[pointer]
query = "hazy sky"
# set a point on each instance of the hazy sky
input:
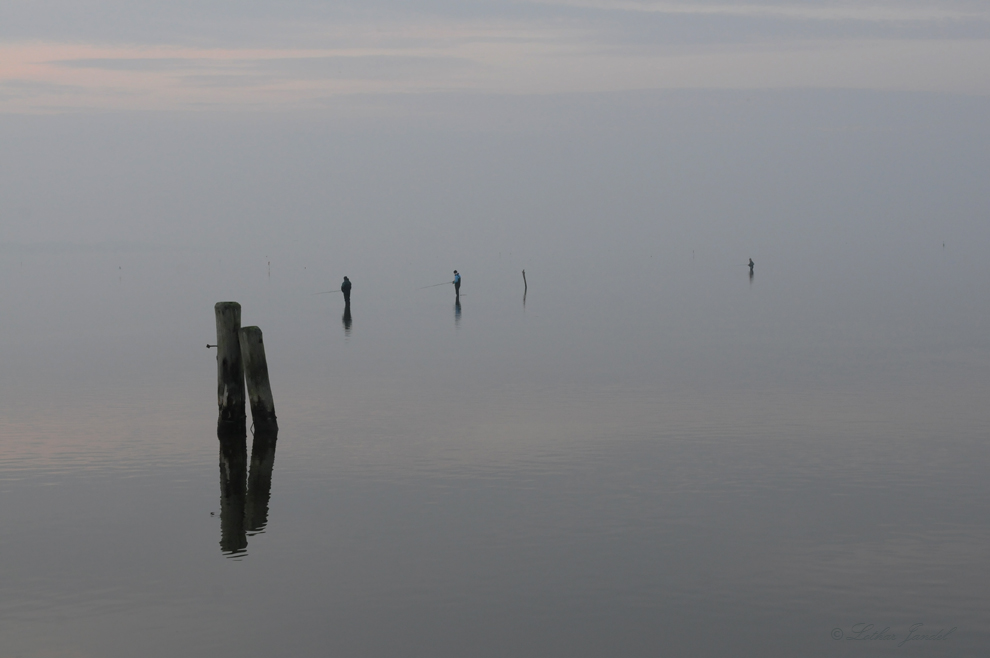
(59, 55)
(442, 130)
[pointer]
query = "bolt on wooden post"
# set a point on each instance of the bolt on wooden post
(230, 371)
(256, 372)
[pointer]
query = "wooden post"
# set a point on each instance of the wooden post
(230, 372)
(256, 371)
(525, 285)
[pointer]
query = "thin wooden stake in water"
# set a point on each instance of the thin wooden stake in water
(525, 285)
(256, 372)
(230, 373)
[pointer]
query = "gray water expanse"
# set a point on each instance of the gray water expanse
(650, 454)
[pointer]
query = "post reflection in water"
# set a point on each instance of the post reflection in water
(457, 312)
(243, 498)
(260, 480)
(347, 319)
(233, 486)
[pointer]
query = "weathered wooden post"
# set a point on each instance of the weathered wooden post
(230, 371)
(256, 372)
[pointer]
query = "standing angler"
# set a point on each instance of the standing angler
(457, 284)
(345, 288)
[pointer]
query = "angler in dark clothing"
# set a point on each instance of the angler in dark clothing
(345, 288)
(457, 284)
(751, 265)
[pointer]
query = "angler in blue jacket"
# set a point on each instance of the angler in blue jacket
(457, 284)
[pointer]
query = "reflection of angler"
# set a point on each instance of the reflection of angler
(346, 319)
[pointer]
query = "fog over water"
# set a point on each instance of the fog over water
(647, 451)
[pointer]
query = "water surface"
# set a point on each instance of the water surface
(651, 454)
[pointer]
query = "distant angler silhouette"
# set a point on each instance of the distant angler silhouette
(345, 288)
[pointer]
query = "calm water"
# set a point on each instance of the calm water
(650, 457)
(651, 454)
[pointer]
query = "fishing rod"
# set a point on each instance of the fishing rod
(329, 292)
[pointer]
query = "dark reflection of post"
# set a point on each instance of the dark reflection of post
(260, 479)
(457, 312)
(233, 486)
(347, 319)
(525, 288)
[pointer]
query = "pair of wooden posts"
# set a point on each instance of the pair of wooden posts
(240, 356)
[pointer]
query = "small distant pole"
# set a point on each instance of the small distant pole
(525, 285)
(230, 372)
(256, 372)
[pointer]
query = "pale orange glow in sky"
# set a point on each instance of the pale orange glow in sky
(502, 57)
